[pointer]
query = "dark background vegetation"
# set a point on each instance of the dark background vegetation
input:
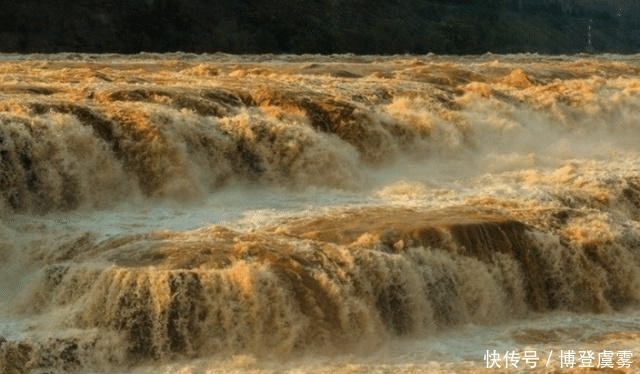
(319, 26)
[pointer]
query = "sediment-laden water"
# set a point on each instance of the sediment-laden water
(216, 213)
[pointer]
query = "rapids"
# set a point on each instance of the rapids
(218, 213)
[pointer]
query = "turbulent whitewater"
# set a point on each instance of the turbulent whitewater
(217, 213)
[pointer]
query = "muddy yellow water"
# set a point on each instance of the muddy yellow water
(216, 213)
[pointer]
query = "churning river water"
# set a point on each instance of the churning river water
(331, 214)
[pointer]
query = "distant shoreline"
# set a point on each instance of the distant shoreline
(326, 27)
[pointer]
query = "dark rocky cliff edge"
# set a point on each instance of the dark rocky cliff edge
(319, 26)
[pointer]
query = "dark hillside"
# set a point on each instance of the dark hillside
(319, 26)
